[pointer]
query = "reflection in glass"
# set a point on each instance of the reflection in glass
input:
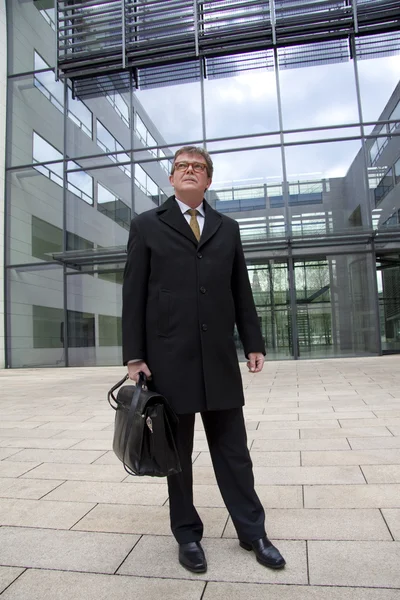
(242, 104)
(109, 144)
(315, 96)
(113, 207)
(378, 79)
(80, 114)
(47, 84)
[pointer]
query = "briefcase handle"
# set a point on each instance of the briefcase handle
(142, 381)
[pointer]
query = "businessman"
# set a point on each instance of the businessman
(185, 287)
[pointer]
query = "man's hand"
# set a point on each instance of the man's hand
(135, 367)
(255, 362)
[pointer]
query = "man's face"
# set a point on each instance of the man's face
(191, 178)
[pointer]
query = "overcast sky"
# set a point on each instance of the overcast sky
(311, 97)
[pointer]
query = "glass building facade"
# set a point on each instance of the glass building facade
(306, 149)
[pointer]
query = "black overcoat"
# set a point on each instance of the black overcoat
(181, 300)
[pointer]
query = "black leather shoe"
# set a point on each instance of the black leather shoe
(191, 556)
(265, 552)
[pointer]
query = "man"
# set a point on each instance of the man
(185, 286)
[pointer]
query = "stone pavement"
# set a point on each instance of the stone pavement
(325, 442)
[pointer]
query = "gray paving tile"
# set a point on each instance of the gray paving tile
(91, 444)
(271, 496)
(239, 591)
(367, 564)
(31, 489)
(111, 493)
(295, 445)
(374, 443)
(307, 475)
(392, 517)
(15, 469)
(352, 496)
(323, 524)
(158, 557)
(152, 520)
(59, 585)
(382, 473)
(39, 443)
(7, 576)
(7, 452)
(65, 550)
(260, 459)
(41, 513)
(351, 457)
(313, 424)
(18, 432)
(57, 456)
(330, 432)
(76, 472)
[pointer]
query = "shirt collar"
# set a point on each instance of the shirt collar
(184, 207)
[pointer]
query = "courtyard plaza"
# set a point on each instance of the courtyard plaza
(325, 443)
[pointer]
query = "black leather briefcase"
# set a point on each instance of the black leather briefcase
(144, 430)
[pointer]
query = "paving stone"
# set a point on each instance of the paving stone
(323, 524)
(261, 459)
(91, 445)
(271, 496)
(75, 472)
(314, 424)
(65, 550)
(382, 473)
(7, 576)
(366, 564)
(38, 443)
(351, 457)
(15, 469)
(307, 475)
(57, 456)
(238, 591)
(374, 443)
(111, 493)
(153, 520)
(296, 445)
(7, 452)
(392, 517)
(30, 489)
(157, 557)
(352, 496)
(41, 513)
(347, 432)
(59, 585)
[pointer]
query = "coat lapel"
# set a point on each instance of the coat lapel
(212, 223)
(170, 213)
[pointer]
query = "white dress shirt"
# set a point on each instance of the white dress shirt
(200, 217)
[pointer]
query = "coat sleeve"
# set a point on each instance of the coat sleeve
(134, 297)
(245, 311)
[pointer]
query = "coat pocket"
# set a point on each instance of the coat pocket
(164, 313)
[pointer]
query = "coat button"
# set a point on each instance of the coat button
(203, 289)
(204, 327)
(199, 255)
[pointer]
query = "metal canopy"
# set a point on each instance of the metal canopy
(329, 244)
(153, 38)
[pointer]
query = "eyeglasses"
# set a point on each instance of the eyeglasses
(196, 166)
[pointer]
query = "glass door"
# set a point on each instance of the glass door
(313, 303)
(270, 286)
(388, 280)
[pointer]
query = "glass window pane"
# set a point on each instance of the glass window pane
(80, 114)
(314, 96)
(36, 316)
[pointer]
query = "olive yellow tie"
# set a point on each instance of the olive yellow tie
(194, 224)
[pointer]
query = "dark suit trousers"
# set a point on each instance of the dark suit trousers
(227, 441)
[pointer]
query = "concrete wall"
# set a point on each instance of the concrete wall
(3, 91)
